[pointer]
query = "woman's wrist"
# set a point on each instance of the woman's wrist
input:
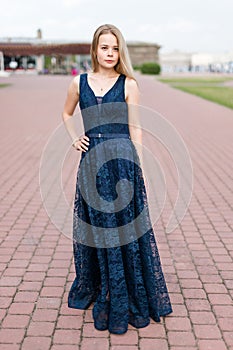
(74, 141)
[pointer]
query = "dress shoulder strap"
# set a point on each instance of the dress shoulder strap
(82, 82)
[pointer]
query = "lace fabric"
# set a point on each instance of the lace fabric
(126, 282)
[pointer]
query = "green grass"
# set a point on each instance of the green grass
(222, 95)
(211, 89)
(196, 80)
(4, 85)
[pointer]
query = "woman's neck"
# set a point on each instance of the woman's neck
(106, 73)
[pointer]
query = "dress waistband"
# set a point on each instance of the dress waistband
(108, 135)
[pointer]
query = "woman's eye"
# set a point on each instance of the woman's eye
(116, 49)
(104, 48)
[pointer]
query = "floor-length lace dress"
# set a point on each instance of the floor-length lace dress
(124, 280)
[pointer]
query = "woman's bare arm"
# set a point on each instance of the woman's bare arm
(72, 99)
(132, 99)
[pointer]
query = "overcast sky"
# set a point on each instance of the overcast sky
(186, 25)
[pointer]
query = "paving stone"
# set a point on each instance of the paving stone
(181, 338)
(153, 331)
(202, 317)
(94, 344)
(66, 336)
(211, 344)
(36, 343)
(69, 322)
(207, 332)
(15, 321)
(149, 344)
(45, 314)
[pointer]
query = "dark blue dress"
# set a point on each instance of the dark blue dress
(118, 269)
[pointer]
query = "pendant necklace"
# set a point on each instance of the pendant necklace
(102, 89)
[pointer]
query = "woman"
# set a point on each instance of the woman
(115, 254)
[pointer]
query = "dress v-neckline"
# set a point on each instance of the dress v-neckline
(105, 92)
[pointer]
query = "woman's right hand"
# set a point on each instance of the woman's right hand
(82, 143)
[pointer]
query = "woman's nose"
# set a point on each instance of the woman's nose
(110, 52)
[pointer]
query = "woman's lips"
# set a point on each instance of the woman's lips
(109, 61)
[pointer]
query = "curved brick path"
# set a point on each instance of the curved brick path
(36, 259)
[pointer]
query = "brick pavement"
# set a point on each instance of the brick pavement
(36, 259)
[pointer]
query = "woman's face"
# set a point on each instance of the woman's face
(107, 51)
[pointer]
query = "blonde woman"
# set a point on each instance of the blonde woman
(116, 258)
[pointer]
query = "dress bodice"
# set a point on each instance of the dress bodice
(108, 114)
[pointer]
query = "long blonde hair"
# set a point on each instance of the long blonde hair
(124, 65)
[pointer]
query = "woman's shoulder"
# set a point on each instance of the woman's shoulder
(131, 84)
(78, 77)
(76, 81)
(131, 90)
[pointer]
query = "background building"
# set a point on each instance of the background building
(177, 61)
(141, 52)
(43, 56)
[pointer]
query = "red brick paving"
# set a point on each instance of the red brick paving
(36, 259)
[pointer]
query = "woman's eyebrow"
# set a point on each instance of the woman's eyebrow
(108, 45)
